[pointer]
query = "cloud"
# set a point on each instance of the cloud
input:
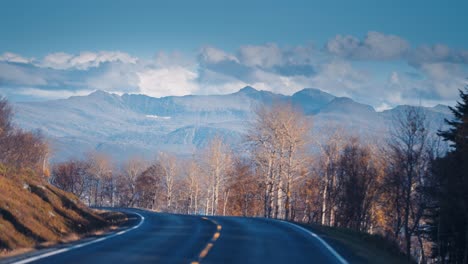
(114, 77)
(12, 74)
(379, 46)
(271, 56)
(437, 53)
(340, 78)
(444, 79)
(167, 81)
(211, 55)
(434, 73)
(265, 56)
(375, 46)
(440, 84)
(266, 67)
(12, 57)
(84, 60)
(271, 81)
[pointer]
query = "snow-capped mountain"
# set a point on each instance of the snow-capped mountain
(140, 125)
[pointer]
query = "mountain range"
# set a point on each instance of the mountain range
(138, 125)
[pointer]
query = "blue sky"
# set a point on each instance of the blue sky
(378, 52)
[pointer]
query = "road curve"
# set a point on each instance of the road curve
(169, 238)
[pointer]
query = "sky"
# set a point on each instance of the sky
(383, 53)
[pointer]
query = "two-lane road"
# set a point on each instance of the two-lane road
(168, 238)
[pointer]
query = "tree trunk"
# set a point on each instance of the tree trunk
(406, 222)
(324, 201)
(421, 245)
(287, 203)
(226, 197)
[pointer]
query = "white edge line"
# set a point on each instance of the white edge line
(55, 252)
(336, 254)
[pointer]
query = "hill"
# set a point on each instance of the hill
(33, 213)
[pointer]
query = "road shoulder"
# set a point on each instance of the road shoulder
(119, 221)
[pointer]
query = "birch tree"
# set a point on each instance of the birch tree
(218, 164)
(277, 139)
(193, 178)
(169, 170)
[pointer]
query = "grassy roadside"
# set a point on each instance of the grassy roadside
(359, 247)
(114, 220)
(34, 215)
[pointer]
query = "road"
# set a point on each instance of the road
(169, 238)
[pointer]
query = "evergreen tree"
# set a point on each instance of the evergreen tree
(458, 131)
(451, 174)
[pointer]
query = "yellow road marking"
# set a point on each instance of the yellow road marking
(206, 250)
(211, 243)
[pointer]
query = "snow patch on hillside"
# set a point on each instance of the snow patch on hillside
(158, 117)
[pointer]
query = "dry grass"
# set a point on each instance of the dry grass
(360, 247)
(34, 214)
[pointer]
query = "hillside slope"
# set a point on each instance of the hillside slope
(34, 213)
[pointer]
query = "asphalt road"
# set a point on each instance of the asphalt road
(169, 238)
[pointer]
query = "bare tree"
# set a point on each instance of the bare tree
(149, 188)
(127, 180)
(100, 171)
(408, 161)
(6, 114)
(169, 169)
(326, 168)
(358, 185)
(217, 163)
(21, 149)
(71, 176)
(193, 177)
(277, 138)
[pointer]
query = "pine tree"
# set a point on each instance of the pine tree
(451, 174)
(458, 131)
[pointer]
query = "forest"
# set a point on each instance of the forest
(410, 188)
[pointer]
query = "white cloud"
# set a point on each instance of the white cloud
(12, 57)
(213, 55)
(440, 84)
(382, 107)
(441, 71)
(269, 81)
(375, 46)
(17, 75)
(444, 79)
(167, 81)
(340, 78)
(437, 53)
(84, 60)
(175, 58)
(58, 60)
(267, 55)
(116, 77)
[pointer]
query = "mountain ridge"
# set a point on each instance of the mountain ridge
(131, 124)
